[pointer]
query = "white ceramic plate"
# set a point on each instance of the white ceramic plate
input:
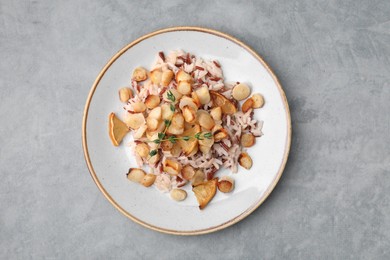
(149, 207)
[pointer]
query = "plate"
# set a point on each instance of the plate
(147, 206)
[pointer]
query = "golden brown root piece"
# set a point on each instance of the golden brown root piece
(205, 192)
(116, 129)
(226, 105)
(226, 184)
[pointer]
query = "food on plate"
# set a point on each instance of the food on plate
(116, 129)
(188, 172)
(172, 167)
(166, 77)
(148, 180)
(139, 74)
(258, 100)
(241, 91)
(156, 76)
(219, 100)
(125, 94)
(225, 184)
(136, 175)
(178, 194)
(205, 192)
(248, 140)
(248, 104)
(142, 150)
(198, 178)
(152, 101)
(134, 120)
(245, 160)
(187, 123)
(220, 134)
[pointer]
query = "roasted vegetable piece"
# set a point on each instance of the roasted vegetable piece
(117, 129)
(220, 100)
(205, 192)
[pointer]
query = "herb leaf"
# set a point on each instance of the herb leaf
(207, 135)
(153, 153)
(167, 122)
(172, 108)
(172, 139)
(170, 96)
(197, 136)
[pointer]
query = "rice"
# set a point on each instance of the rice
(163, 182)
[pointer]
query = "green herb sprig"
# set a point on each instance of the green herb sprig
(167, 123)
(170, 96)
(173, 139)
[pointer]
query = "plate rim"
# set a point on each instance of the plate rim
(250, 209)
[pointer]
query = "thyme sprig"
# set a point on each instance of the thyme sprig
(170, 96)
(199, 136)
(173, 139)
(167, 123)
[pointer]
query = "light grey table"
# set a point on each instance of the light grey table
(333, 60)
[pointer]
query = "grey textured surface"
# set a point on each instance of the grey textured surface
(333, 60)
